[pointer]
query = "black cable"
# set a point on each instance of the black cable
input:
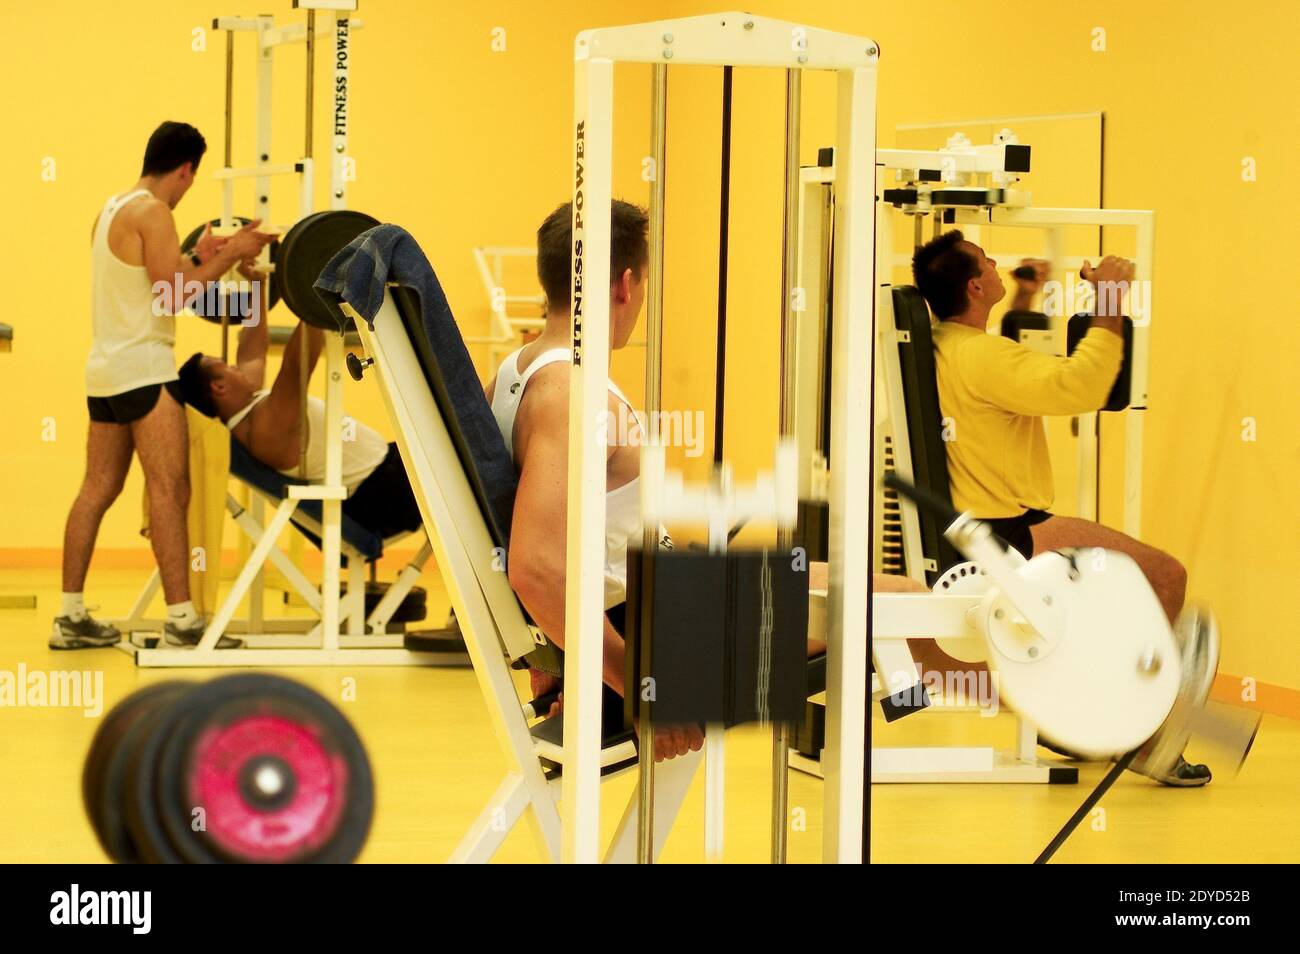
(1115, 772)
(724, 215)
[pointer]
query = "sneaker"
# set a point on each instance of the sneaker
(1185, 775)
(85, 633)
(1196, 633)
(190, 635)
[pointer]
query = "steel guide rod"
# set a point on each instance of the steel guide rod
(653, 397)
(304, 354)
(229, 131)
(789, 346)
(714, 732)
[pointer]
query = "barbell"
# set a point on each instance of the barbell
(297, 259)
(210, 306)
(246, 768)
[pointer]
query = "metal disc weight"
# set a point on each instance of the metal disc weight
(104, 773)
(304, 253)
(261, 769)
(236, 304)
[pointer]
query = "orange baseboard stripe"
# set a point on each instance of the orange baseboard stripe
(1268, 698)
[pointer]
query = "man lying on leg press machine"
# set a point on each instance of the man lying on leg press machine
(996, 392)
(268, 422)
(530, 400)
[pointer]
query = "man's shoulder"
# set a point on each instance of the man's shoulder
(547, 393)
(148, 210)
(957, 338)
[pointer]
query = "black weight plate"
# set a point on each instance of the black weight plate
(304, 253)
(232, 726)
(209, 307)
(103, 775)
(139, 801)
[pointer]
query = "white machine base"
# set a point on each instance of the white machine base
(281, 650)
(929, 764)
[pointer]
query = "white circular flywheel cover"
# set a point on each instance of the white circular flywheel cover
(967, 579)
(1112, 677)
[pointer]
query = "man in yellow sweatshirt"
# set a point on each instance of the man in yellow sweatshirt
(994, 392)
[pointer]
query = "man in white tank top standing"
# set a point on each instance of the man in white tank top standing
(131, 388)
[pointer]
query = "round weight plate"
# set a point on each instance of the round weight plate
(279, 773)
(1196, 633)
(209, 307)
(140, 791)
(1111, 676)
(304, 253)
(103, 776)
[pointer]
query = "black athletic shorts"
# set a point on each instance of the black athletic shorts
(131, 405)
(384, 503)
(1015, 530)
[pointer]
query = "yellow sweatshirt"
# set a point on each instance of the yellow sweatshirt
(993, 393)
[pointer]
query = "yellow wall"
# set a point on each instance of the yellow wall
(465, 146)
(460, 144)
(1189, 90)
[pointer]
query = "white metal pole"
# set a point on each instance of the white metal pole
(851, 473)
(584, 600)
(1139, 396)
(228, 185)
(1087, 425)
(332, 507)
(265, 124)
(341, 112)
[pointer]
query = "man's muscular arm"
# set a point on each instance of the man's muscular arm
(281, 420)
(536, 564)
(162, 250)
(250, 355)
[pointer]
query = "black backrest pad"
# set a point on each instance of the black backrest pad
(482, 451)
(473, 429)
(924, 420)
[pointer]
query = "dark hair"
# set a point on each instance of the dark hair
(628, 248)
(941, 271)
(196, 383)
(171, 146)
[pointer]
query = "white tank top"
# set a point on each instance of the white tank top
(130, 346)
(364, 449)
(622, 506)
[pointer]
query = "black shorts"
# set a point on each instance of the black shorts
(384, 503)
(1015, 530)
(131, 405)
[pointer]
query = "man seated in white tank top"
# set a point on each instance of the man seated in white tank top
(268, 422)
(132, 396)
(530, 400)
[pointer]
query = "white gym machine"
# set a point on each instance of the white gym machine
(340, 634)
(511, 313)
(966, 186)
(1039, 621)
(727, 40)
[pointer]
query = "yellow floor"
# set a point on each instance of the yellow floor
(436, 764)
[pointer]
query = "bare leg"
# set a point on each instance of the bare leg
(1165, 574)
(108, 458)
(162, 441)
